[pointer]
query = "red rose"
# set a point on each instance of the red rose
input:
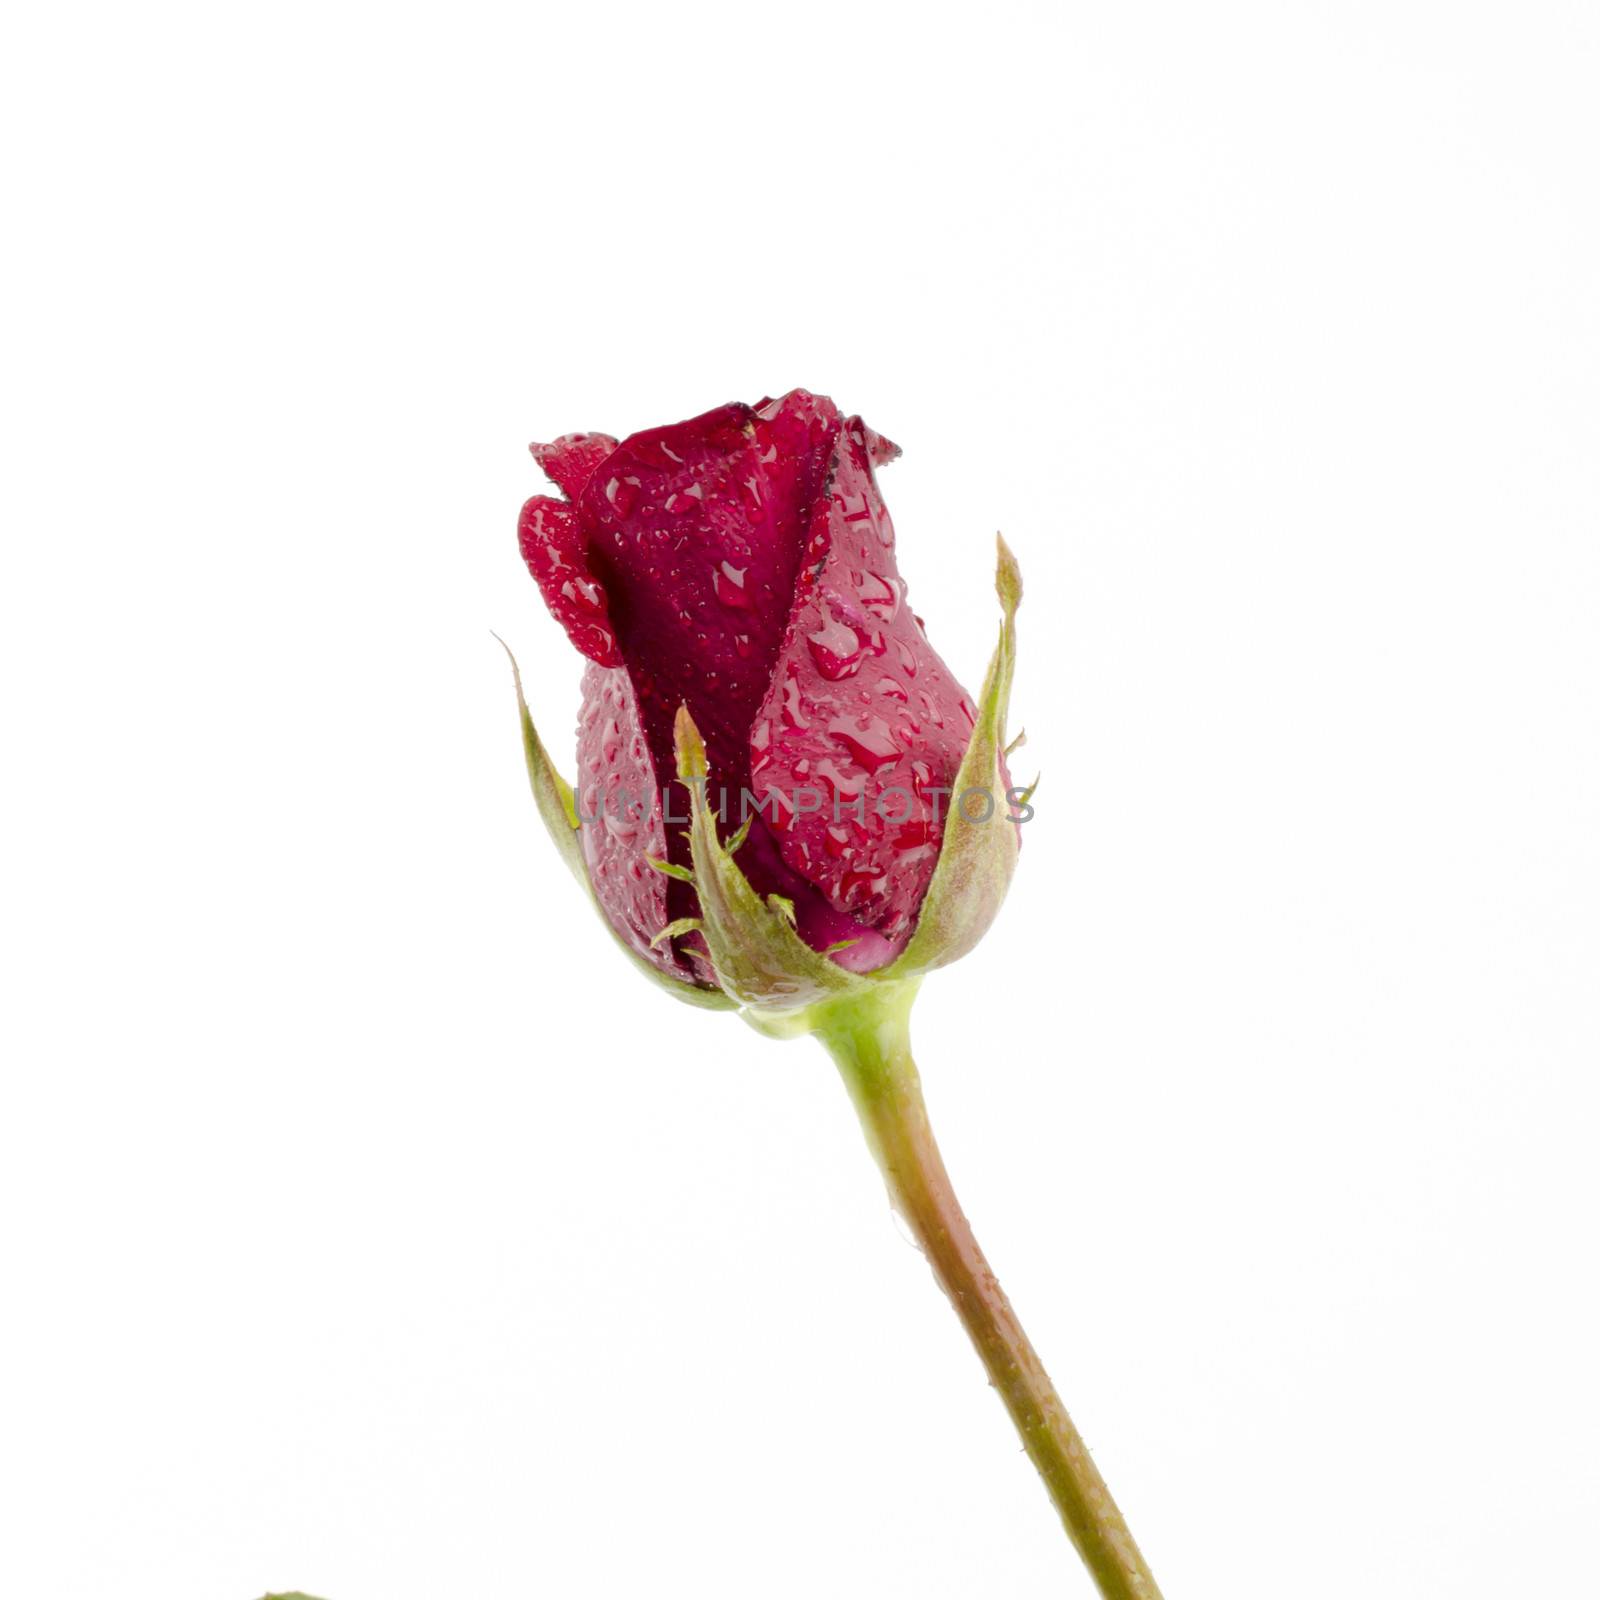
(742, 565)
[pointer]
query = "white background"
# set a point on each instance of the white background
(368, 1227)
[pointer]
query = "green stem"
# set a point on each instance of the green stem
(870, 1039)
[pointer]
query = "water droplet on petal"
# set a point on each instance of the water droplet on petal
(880, 595)
(729, 585)
(868, 740)
(836, 648)
(779, 810)
(793, 710)
(868, 883)
(622, 492)
(843, 785)
(584, 593)
(917, 834)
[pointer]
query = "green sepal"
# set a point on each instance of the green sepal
(758, 957)
(551, 792)
(977, 858)
(670, 869)
(553, 796)
(674, 929)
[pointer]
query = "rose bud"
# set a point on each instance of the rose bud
(739, 568)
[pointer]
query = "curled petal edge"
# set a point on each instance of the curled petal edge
(553, 796)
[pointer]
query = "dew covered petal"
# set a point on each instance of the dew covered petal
(699, 529)
(553, 545)
(620, 822)
(861, 710)
(570, 461)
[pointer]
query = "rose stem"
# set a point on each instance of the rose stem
(869, 1037)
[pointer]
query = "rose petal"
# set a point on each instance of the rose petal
(553, 545)
(619, 812)
(862, 711)
(820, 924)
(569, 462)
(880, 451)
(699, 528)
